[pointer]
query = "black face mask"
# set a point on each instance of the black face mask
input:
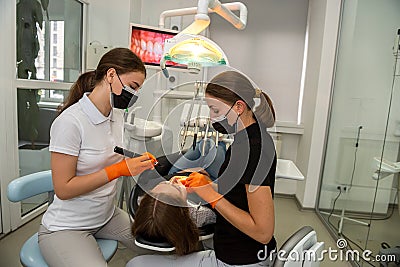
(222, 126)
(126, 99)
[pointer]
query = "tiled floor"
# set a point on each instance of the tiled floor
(288, 220)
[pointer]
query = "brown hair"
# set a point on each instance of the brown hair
(122, 60)
(156, 220)
(232, 86)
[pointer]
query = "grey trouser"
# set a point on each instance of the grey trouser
(198, 259)
(77, 248)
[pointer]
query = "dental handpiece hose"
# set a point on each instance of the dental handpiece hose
(358, 135)
(194, 141)
(196, 126)
(196, 131)
(189, 115)
(203, 149)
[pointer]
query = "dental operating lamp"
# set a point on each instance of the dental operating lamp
(194, 50)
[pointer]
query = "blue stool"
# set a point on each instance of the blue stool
(32, 185)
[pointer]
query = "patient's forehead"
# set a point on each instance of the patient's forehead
(170, 189)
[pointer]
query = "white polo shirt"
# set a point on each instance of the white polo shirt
(83, 131)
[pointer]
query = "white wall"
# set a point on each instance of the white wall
(269, 50)
(108, 22)
(324, 22)
(151, 10)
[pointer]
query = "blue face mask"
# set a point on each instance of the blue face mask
(221, 124)
(126, 99)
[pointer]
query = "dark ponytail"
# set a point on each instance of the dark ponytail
(82, 85)
(122, 60)
(265, 112)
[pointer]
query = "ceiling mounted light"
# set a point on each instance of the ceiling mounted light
(194, 50)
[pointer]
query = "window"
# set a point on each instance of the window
(47, 38)
(46, 53)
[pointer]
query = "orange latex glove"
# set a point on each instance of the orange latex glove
(151, 157)
(202, 186)
(130, 166)
(181, 179)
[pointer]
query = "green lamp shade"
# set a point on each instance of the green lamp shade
(195, 50)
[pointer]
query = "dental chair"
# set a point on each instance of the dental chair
(34, 184)
(300, 250)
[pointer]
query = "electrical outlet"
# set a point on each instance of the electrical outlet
(342, 188)
(331, 187)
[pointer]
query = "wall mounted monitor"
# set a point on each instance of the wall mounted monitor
(148, 43)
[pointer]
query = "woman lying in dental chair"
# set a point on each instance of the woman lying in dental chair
(166, 214)
(163, 211)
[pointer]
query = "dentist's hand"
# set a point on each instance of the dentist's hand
(179, 179)
(202, 186)
(130, 166)
(197, 169)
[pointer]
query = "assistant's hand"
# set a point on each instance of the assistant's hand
(151, 157)
(202, 186)
(130, 166)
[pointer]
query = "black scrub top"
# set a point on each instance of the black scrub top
(251, 160)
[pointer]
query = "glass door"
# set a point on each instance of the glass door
(358, 189)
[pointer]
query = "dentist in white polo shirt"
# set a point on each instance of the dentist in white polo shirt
(84, 166)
